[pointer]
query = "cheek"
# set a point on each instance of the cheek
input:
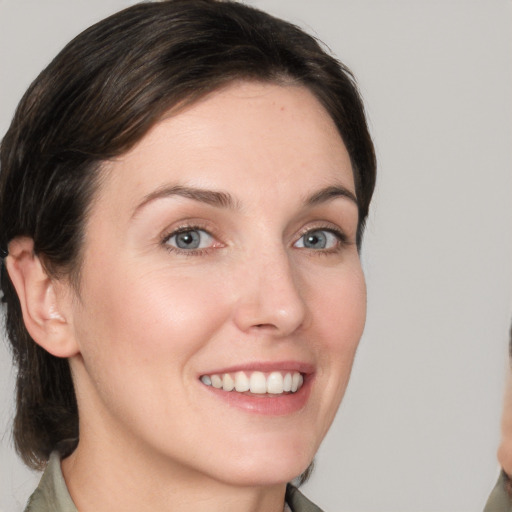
(339, 301)
(338, 312)
(140, 334)
(147, 320)
(339, 316)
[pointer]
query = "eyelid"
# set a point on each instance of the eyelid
(325, 226)
(188, 224)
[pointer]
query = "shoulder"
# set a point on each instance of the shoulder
(499, 499)
(298, 502)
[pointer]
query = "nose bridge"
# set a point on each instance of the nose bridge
(271, 296)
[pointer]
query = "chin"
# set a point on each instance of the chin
(271, 473)
(268, 466)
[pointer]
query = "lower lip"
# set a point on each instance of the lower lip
(269, 405)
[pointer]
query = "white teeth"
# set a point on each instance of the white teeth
(241, 382)
(216, 381)
(205, 379)
(296, 381)
(274, 383)
(287, 382)
(228, 384)
(258, 383)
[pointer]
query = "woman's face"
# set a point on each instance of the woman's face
(221, 252)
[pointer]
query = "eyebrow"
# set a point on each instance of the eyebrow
(211, 197)
(225, 200)
(331, 192)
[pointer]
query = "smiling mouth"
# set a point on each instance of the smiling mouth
(259, 383)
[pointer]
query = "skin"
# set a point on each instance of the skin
(505, 448)
(149, 319)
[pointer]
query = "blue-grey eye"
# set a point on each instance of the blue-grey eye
(190, 239)
(317, 239)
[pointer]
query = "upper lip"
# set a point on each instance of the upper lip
(265, 366)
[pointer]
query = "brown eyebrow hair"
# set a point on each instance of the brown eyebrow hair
(212, 197)
(226, 200)
(331, 192)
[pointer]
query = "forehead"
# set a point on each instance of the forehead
(242, 138)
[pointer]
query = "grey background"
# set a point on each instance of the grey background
(419, 427)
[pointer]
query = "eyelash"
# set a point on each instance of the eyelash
(341, 237)
(185, 229)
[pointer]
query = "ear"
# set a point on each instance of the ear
(44, 301)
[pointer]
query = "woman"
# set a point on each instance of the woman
(183, 198)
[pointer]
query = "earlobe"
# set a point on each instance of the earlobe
(43, 303)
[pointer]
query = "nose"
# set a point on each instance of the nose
(270, 296)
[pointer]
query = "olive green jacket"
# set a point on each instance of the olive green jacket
(499, 500)
(52, 494)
